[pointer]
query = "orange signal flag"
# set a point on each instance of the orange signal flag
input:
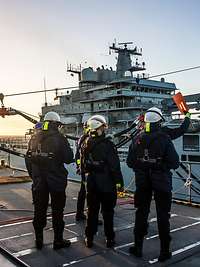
(180, 102)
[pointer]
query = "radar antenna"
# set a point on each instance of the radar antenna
(124, 62)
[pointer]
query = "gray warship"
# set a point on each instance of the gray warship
(121, 97)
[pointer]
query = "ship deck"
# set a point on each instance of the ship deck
(17, 237)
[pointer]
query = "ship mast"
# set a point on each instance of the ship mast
(124, 62)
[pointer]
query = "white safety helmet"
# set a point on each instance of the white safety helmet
(99, 117)
(52, 116)
(153, 115)
(96, 122)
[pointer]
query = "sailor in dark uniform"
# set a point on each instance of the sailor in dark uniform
(82, 192)
(48, 153)
(80, 216)
(152, 155)
(28, 162)
(101, 165)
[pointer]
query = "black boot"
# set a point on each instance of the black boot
(110, 243)
(58, 244)
(39, 239)
(136, 250)
(89, 242)
(165, 252)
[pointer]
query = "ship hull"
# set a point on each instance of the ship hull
(189, 192)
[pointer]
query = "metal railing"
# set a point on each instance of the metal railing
(191, 181)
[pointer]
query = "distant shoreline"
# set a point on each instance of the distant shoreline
(10, 136)
(12, 139)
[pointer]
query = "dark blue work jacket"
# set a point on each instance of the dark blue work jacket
(45, 158)
(152, 156)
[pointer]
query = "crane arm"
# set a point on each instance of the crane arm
(17, 112)
(11, 111)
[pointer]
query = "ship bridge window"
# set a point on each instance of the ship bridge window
(190, 142)
(119, 104)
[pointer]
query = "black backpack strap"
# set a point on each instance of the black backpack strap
(88, 163)
(145, 146)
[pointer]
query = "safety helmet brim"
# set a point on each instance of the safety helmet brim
(52, 116)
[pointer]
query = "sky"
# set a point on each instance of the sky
(38, 38)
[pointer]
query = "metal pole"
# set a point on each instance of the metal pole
(45, 92)
(9, 160)
(190, 182)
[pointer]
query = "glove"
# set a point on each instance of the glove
(119, 188)
(188, 114)
(120, 191)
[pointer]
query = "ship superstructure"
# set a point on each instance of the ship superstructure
(120, 95)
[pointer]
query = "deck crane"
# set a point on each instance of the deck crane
(11, 111)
